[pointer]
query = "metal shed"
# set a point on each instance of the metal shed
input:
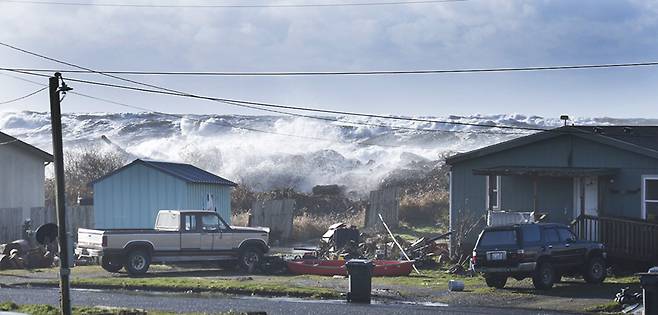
(131, 196)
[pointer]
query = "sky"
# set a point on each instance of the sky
(450, 35)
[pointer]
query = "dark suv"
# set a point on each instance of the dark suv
(543, 251)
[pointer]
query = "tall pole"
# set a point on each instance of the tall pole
(60, 204)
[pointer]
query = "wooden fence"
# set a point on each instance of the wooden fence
(275, 214)
(11, 224)
(11, 220)
(623, 238)
(386, 202)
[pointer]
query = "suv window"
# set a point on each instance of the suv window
(551, 236)
(190, 223)
(566, 235)
(530, 234)
(500, 237)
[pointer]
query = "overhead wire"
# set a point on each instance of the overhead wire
(351, 73)
(242, 103)
(234, 6)
(22, 97)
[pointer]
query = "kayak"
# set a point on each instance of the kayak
(382, 268)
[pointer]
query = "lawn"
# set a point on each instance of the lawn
(42, 309)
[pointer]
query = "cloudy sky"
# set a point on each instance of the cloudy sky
(452, 35)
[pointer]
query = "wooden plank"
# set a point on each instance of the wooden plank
(275, 214)
(386, 202)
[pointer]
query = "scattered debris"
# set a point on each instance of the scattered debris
(26, 253)
(455, 285)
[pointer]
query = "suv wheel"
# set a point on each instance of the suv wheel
(594, 270)
(544, 277)
(250, 259)
(138, 262)
(497, 282)
(110, 264)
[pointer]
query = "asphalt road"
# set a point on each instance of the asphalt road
(218, 303)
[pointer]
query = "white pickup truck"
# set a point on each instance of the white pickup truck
(179, 236)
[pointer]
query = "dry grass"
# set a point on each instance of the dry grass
(240, 219)
(421, 206)
(312, 226)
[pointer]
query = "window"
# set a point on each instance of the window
(566, 235)
(551, 236)
(210, 223)
(190, 223)
(650, 198)
(502, 237)
(530, 234)
(493, 192)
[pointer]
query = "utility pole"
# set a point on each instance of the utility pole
(60, 203)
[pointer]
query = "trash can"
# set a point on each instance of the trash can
(649, 282)
(360, 272)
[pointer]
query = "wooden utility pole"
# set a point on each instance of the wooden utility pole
(60, 203)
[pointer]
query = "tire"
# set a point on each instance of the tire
(250, 259)
(497, 282)
(111, 264)
(138, 262)
(595, 271)
(544, 277)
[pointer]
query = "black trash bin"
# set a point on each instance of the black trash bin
(649, 282)
(360, 272)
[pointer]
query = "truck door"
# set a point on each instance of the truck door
(209, 231)
(190, 238)
(574, 252)
(554, 246)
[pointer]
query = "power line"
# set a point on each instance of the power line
(232, 6)
(23, 97)
(241, 103)
(349, 73)
(332, 119)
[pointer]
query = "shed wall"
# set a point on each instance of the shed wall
(197, 194)
(21, 180)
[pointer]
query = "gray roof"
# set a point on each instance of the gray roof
(639, 139)
(9, 140)
(186, 172)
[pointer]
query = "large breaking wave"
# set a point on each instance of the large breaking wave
(323, 152)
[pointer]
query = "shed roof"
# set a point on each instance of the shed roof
(639, 139)
(9, 140)
(186, 172)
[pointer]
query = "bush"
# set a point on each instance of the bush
(309, 226)
(424, 207)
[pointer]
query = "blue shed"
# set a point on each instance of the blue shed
(603, 180)
(131, 196)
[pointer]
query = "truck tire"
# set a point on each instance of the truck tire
(250, 259)
(111, 264)
(594, 270)
(544, 276)
(497, 282)
(138, 262)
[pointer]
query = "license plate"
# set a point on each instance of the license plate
(497, 255)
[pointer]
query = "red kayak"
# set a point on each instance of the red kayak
(382, 268)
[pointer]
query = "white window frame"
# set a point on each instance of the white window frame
(497, 206)
(644, 187)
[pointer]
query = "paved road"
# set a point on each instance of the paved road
(217, 303)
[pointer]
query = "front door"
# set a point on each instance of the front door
(586, 196)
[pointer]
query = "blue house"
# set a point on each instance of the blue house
(603, 180)
(131, 196)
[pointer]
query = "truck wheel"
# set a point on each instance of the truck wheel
(111, 264)
(544, 277)
(138, 262)
(594, 270)
(497, 282)
(250, 259)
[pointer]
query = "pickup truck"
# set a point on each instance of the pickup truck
(541, 251)
(179, 236)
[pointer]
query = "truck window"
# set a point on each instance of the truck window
(210, 223)
(566, 235)
(530, 234)
(551, 236)
(190, 223)
(501, 237)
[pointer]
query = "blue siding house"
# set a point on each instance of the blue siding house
(603, 180)
(131, 196)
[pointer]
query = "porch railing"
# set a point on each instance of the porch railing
(623, 238)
